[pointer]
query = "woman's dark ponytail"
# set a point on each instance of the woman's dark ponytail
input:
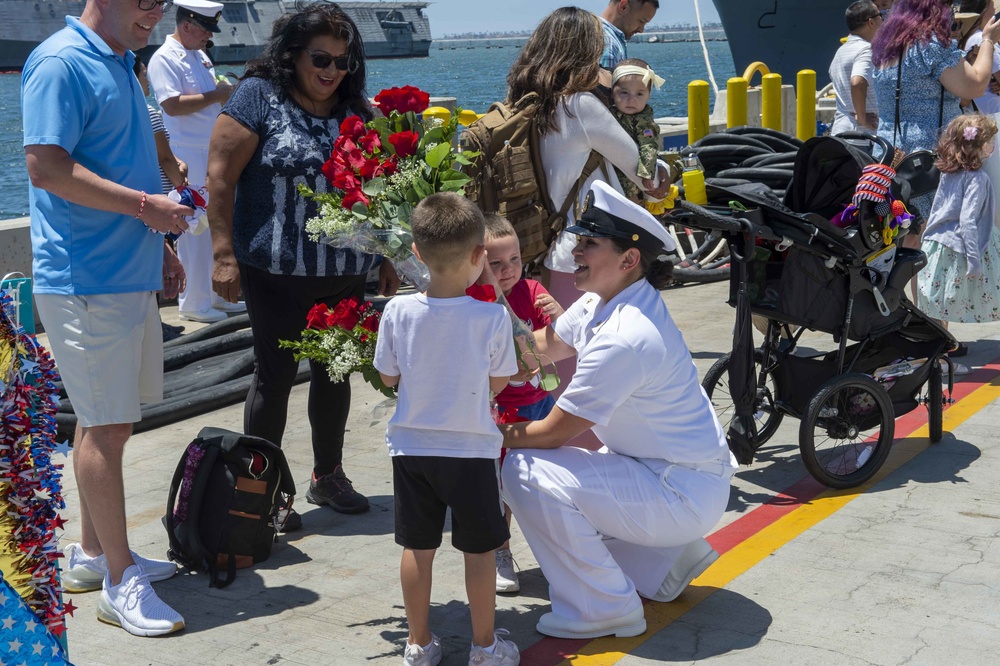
(660, 273)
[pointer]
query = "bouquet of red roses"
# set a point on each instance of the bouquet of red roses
(380, 170)
(343, 339)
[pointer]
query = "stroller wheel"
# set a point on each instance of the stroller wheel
(716, 385)
(847, 431)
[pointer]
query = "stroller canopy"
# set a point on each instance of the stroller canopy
(826, 173)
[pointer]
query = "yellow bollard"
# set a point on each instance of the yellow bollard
(697, 110)
(805, 109)
(771, 101)
(736, 102)
(438, 112)
(468, 116)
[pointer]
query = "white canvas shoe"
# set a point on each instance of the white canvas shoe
(505, 653)
(557, 626)
(696, 557)
(134, 606)
(207, 316)
(84, 573)
(226, 306)
(506, 576)
(423, 655)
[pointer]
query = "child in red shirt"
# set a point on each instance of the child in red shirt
(532, 304)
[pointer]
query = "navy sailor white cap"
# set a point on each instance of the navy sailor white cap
(204, 12)
(609, 214)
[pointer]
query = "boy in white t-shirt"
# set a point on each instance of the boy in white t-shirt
(447, 352)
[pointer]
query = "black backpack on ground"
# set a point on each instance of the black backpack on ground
(223, 502)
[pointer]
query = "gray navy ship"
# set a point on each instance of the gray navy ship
(786, 35)
(389, 29)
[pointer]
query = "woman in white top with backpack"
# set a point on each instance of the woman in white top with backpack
(560, 63)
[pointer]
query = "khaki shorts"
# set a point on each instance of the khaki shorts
(108, 349)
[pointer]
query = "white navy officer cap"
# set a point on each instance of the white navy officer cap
(609, 214)
(203, 12)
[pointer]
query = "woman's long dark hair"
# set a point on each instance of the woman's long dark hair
(290, 36)
(562, 57)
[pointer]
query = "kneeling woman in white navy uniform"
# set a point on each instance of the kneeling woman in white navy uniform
(626, 520)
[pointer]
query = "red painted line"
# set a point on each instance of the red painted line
(551, 651)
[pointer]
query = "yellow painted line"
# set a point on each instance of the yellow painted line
(746, 555)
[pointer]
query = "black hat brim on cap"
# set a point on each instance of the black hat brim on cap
(597, 223)
(210, 24)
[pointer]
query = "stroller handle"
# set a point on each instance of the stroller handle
(706, 219)
(888, 152)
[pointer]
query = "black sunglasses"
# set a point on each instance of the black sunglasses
(322, 60)
(147, 5)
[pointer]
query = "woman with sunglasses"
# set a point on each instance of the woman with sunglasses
(275, 132)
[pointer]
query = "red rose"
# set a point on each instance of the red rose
(354, 196)
(352, 127)
(402, 100)
(371, 169)
(346, 181)
(389, 165)
(370, 142)
(510, 415)
(319, 317)
(482, 292)
(355, 160)
(345, 314)
(405, 143)
(370, 323)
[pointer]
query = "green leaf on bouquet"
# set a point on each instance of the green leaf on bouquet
(462, 158)
(360, 210)
(393, 196)
(374, 186)
(453, 181)
(422, 188)
(434, 135)
(437, 154)
(306, 191)
(403, 213)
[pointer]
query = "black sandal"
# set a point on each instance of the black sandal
(961, 350)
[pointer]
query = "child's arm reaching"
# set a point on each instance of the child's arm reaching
(647, 132)
(549, 306)
(389, 380)
(497, 384)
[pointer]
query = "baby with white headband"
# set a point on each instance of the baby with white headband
(631, 83)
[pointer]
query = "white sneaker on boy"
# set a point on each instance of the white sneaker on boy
(423, 655)
(134, 606)
(502, 653)
(84, 573)
(506, 576)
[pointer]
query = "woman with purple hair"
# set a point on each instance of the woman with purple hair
(934, 75)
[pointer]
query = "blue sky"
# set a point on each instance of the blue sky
(458, 16)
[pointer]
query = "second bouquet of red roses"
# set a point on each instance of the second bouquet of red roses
(342, 339)
(380, 170)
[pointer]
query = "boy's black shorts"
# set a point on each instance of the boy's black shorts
(425, 487)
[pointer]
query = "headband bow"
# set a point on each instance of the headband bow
(647, 74)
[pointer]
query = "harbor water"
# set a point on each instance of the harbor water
(474, 74)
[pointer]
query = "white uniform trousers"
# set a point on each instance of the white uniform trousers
(603, 525)
(195, 252)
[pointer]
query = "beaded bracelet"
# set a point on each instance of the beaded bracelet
(142, 206)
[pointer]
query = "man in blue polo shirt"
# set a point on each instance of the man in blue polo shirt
(92, 163)
(621, 19)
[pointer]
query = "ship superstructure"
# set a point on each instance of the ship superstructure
(389, 29)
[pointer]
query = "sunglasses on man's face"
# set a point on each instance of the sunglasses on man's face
(149, 5)
(322, 60)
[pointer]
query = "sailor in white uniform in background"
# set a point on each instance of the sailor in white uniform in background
(183, 81)
(628, 519)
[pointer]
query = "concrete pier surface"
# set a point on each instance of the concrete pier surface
(902, 570)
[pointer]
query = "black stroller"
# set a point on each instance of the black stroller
(796, 271)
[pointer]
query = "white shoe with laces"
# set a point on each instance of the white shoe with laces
(506, 576)
(206, 316)
(504, 653)
(84, 573)
(423, 655)
(134, 606)
(226, 306)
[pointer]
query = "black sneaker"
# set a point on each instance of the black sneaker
(335, 490)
